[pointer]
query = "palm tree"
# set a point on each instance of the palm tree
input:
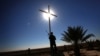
(75, 35)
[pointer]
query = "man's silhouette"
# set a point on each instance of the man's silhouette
(52, 42)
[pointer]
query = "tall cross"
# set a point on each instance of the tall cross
(48, 12)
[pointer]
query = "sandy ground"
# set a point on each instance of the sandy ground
(85, 53)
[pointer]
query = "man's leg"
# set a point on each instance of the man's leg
(55, 48)
(52, 49)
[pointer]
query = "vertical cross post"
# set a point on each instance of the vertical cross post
(49, 20)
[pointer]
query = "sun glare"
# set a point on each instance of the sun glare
(47, 15)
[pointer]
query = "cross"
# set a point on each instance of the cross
(49, 17)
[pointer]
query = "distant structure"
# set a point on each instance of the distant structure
(51, 36)
(29, 52)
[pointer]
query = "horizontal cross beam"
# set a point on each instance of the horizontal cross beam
(50, 13)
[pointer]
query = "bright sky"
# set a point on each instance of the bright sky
(23, 26)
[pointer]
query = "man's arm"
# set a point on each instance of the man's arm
(55, 37)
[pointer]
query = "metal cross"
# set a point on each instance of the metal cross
(49, 17)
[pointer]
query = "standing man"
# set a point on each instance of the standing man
(52, 42)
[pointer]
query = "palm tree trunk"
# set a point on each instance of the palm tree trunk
(76, 49)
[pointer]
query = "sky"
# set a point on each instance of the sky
(22, 25)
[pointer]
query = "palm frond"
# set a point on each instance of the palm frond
(74, 34)
(65, 38)
(87, 37)
(83, 33)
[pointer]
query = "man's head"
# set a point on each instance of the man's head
(51, 33)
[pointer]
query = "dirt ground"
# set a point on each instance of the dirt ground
(84, 52)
